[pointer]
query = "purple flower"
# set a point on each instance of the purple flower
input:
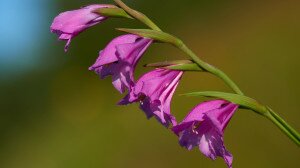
(119, 59)
(204, 127)
(70, 23)
(154, 91)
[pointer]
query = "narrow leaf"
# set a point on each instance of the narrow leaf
(245, 102)
(181, 65)
(185, 67)
(113, 12)
(168, 63)
(154, 34)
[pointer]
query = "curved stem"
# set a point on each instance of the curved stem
(210, 68)
(269, 113)
(137, 15)
(283, 126)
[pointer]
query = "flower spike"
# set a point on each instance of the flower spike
(204, 126)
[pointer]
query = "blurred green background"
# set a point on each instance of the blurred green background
(57, 114)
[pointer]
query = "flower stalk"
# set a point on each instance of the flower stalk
(157, 34)
(209, 68)
(204, 126)
(179, 44)
(168, 38)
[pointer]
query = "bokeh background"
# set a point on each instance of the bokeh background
(57, 114)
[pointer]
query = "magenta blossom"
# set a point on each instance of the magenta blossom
(204, 127)
(154, 91)
(69, 24)
(119, 59)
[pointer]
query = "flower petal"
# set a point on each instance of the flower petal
(204, 126)
(109, 54)
(69, 24)
(211, 143)
(119, 59)
(154, 91)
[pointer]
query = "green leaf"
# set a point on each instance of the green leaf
(185, 67)
(154, 34)
(113, 12)
(169, 63)
(244, 101)
(181, 65)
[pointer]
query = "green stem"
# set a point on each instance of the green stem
(270, 114)
(137, 15)
(209, 68)
(283, 126)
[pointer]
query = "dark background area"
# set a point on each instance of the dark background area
(54, 113)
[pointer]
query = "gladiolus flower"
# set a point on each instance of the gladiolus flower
(69, 24)
(119, 59)
(154, 91)
(204, 127)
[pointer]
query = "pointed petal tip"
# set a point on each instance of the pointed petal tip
(123, 102)
(67, 45)
(93, 68)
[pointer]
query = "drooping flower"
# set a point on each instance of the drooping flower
(154, 91)
(69, 24)
(119, 59)
(204, 127)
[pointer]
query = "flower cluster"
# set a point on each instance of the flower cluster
(203, 126)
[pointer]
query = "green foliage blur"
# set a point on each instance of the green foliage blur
(60, 115)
